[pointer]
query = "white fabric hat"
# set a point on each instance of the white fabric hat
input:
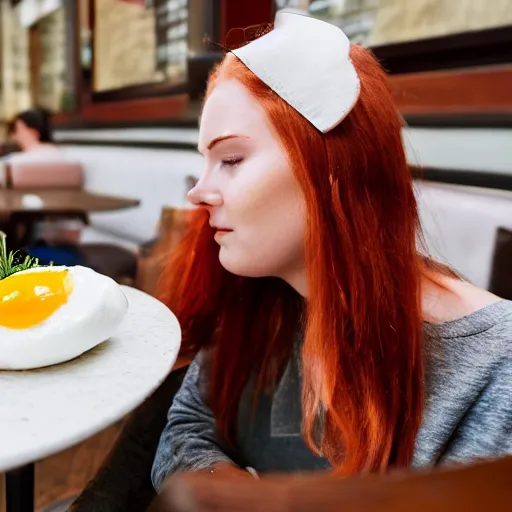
(306, 61)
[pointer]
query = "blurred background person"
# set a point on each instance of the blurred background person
(31, 130)
(30, 140)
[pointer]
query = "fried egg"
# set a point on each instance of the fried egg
(49, 315)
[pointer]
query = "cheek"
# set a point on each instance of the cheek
(19, 134)
(265, 199)
(268, 215)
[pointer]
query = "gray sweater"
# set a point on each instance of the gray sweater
(468, 412)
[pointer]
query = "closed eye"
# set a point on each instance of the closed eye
(231, 162)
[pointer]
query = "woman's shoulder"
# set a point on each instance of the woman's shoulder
(41, 154)
(458, 309)
(478, 343)
(468, 370)
(10, 156)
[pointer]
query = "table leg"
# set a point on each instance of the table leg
(19, 489)
(2, 493)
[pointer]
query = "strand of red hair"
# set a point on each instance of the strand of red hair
(362, 351)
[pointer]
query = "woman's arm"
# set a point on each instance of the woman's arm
(189, 441)
(485, 430)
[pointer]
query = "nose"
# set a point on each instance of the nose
(201, 195)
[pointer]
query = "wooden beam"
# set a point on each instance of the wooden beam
(160, 108)
(461, 50)
(461, 91)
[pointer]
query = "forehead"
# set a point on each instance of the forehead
(231, 109)
(20, 125)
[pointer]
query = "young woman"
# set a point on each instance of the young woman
(326, 339)
(32, 132)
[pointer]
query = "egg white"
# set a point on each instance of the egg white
(93, 312)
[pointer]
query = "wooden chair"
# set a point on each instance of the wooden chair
(484, 486)
(41, 175)
(141, 270)
(36, 176)
(152, 256)
(500, 282)
(8, 147)
(110, 260)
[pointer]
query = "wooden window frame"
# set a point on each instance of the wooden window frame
(130, 92)
(458, 80)
(447, 81)
(156, 104)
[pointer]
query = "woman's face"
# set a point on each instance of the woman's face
(23, 135)
(248, 187)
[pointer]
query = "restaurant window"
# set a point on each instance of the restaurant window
(37, 56)
(355, 17)
(377, 22)
(15, 94)
(139, 43)
(51, 62)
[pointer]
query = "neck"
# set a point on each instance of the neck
(298, 280)
(446, 298)
(443, 298)
(33, 144)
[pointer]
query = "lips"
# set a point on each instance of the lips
(221, 232)
(220, 229)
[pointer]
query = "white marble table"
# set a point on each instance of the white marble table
(45, 411)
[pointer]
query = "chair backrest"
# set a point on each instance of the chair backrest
(173, 225)
(37, 175)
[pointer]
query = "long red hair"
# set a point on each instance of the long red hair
(362, 350)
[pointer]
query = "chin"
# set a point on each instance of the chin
(242, 267)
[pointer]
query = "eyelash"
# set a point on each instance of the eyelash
(231, 162)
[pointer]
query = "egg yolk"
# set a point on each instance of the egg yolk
(28, 299)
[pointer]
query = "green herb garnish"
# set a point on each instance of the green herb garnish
(8, 265)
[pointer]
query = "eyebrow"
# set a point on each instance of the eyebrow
(222, 138)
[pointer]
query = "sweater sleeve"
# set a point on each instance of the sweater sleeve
(189, 441)
(485, 431)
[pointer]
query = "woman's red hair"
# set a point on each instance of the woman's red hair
(362, 351)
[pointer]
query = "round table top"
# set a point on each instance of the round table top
(61, 201)
(45, 411)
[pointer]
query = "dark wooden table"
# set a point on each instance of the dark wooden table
(62, 203)
(65, 201)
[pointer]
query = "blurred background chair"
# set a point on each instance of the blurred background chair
(58, 240)
(153, 255)
(501, 274)
(44, 175)
(34, 176)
